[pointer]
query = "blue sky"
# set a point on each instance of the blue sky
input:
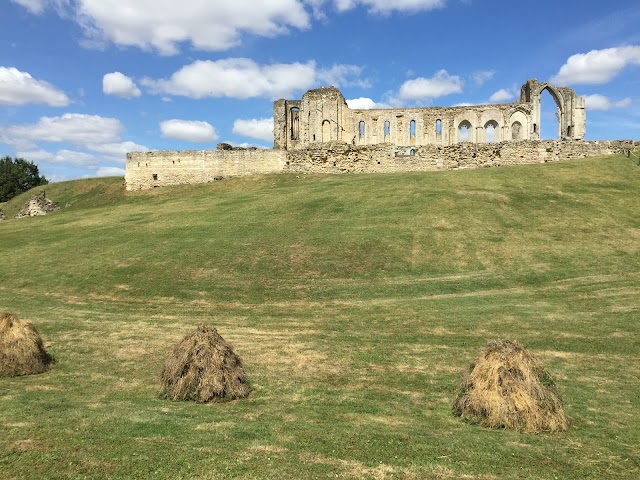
(84, 81)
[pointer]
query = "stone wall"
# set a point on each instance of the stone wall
(323, 116)
(344, 158)
(182, 167)
(161, 168)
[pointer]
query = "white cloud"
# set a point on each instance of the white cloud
(119, 85)
(96, 140)
(600, 102)
(261, 129)
(482, 76)
(34, 6)
(188, 130)
(362, 103)
(243, 78)
(162, 25)
(597, 66)
(18, 88)
(214, 25)
(110, 172)
(388, 6)
(503, 95)
(342, 75)
(72, 158)
(439, 85)
(76, 128)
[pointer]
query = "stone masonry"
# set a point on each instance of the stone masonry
(320, 133)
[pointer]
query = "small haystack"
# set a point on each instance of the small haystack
(506, 387)
(21, 349)
(203, 367)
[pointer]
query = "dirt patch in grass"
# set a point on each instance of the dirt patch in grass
(23, 446)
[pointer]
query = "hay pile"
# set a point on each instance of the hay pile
(203, 367)
(21, 349)
(506, 387)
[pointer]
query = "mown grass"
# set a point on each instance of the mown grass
(355, 302)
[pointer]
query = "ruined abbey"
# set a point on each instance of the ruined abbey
(320, 133)
(323, 116)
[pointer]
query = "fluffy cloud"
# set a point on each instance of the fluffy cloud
(362, 103)
(243, 78)
(388, 6)
(34, 6)
(214, 25)
(119, 85)
(162, 25)
(502, 95)
(18, 88)
(600, 102)
(439, 85)
(261, 129)
(188, 130)
(94, 141)
(75, 128)
(597, 66)
(482, 76)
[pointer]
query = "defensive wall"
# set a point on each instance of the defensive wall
(162, 168)
(176, 167)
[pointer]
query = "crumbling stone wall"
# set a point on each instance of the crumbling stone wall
(155, 169)
(37, 206)
(323, 116)
(344, 158)
(162, 168)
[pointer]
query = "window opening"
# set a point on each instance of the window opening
(295, 123)
(464, 130)
(490, 129)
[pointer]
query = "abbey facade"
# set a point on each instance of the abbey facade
(323, 116)
(321, 134)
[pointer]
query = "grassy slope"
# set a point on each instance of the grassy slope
(355, 302)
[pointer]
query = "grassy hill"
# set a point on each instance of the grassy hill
(355, 302)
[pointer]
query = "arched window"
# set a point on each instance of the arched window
(326, 131)
(295, 122)
(412, 152)
(516, 131)
(361, 129)
(412, 130)
(464, 129)
(438, 127)
(387, 130)
(490, 130)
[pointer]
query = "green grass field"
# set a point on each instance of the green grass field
(355, 302)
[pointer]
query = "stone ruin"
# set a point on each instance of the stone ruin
(322, 116)
(321, 134)
(38, 205)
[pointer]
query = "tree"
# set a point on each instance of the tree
(17, 176)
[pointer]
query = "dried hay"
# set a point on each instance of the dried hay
(21, 348)
(203, 367)
(506, 387)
